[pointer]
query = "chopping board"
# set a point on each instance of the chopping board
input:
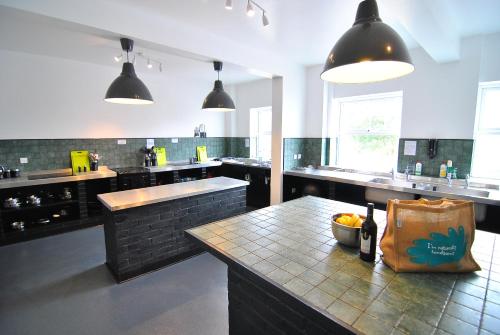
(201, 152)
(80, 159)
(161, 156)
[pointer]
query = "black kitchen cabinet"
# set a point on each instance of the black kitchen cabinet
(259, 188)
(63, 207)
(297, 187)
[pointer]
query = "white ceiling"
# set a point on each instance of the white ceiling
(306, 30)
(31, 33)
(301, 31)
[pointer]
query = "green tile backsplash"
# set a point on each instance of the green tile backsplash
(45, 154)
(311, 149)
(459, 151)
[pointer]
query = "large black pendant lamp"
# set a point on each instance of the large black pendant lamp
(218, 100)
(127, 88)
(369, 51)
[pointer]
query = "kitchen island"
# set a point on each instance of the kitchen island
(144, 228)
(288, 275)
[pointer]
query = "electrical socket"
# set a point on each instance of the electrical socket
(122, 142)
(175, 140)
(23, 160)
(295, 156)
(299, 156)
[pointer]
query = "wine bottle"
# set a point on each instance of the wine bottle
(368, 237)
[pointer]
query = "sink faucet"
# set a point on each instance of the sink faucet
(407, 173)
(449, 177)
(467, 180)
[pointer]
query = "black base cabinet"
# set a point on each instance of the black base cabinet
(259, 190)
(63, 207)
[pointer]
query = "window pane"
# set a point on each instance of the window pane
(368, 152)
(376, 115)
(486, 159)
(368, 131)
(490, 108)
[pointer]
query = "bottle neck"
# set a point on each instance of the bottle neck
(370, 211)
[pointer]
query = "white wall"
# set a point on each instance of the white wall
(45, 97)
(439, 100)
(314, 101)
(248, 95)
(151, 27)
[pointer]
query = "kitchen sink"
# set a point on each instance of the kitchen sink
(432, 187)
(463, 191)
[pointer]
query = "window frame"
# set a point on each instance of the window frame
(254, 141)
(334, 125)
(482, 87)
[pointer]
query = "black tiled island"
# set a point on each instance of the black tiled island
(288, 275)
(144, 228)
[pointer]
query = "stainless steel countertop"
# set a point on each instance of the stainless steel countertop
(246, 162)
(116, 201)
(22, 181)
(400, 185)
(181, 166)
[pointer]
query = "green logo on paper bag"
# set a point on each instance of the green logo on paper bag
(439, 249)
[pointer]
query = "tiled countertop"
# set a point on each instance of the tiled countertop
(22, 181)
(151, 195)
(291, 245)
(366, 180)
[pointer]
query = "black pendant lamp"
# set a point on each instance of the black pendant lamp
(127, 88)
(369, 51)
(218, 100)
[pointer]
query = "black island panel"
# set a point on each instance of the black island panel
(145, 238)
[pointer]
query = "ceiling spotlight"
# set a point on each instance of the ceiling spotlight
(229, 4)
(118, 58)
(250, 10)
(150, 66)
(265, 20)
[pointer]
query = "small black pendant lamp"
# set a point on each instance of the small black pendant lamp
(127, 88)
(218, 100)
(369, 51)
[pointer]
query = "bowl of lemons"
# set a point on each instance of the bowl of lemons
(346, 228)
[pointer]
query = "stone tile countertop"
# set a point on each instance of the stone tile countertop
(54, 177)
(291, 246)
(492, 198)
(151, 195)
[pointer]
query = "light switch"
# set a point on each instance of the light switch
(122, 142)
(295, 156)
(299, 156)
(23, 160)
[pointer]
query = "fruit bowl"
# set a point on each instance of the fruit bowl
(345, 233)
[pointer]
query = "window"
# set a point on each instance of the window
(260, 133)
(365, 131)
(486, 161)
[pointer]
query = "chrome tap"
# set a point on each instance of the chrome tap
(467, 180)
(449, 177)
(407, 173)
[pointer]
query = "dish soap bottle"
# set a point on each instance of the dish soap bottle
(368, 237)
(418, 168)
(442, 170)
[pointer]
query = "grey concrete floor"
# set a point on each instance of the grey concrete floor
(60, 285)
